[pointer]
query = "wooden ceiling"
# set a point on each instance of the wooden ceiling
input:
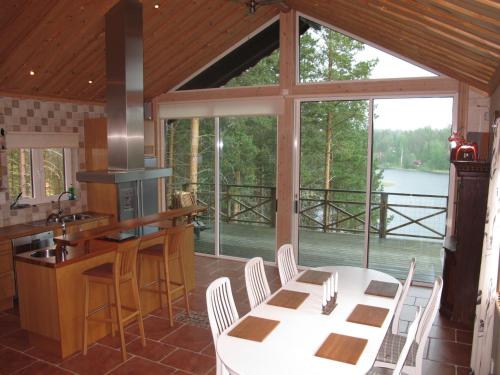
(62, 41)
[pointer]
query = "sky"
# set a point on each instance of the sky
(406, 114)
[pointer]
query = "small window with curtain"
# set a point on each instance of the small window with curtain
(41, 171)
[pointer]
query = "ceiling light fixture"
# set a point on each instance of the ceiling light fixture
(90, 81)
(32, 72)
(157, 6)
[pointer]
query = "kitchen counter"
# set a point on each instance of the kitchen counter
(27, 229)
(51, 290)
(74, 254)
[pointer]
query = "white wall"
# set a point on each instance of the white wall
(484, 338)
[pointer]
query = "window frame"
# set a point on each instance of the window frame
(38, 176)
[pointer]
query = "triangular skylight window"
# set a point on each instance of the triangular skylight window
(327, 55)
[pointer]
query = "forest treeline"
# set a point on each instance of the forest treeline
(424, 148)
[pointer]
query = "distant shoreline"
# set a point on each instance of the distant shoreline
(417, 170)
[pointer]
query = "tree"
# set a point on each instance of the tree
(339, 128)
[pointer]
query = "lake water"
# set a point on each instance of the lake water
(416, 182)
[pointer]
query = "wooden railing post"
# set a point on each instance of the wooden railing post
(272, 207)
(383, 216)
(326, 211)
(228, 203)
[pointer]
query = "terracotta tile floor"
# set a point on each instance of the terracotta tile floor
(187, 348)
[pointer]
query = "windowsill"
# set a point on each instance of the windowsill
(26, 203)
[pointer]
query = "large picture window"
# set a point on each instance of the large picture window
(39, 175)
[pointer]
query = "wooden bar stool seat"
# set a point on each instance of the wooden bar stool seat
(113, 275)
(174, 240)
(104, 271)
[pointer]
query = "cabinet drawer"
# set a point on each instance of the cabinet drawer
(5, 262)
(6, 285)
(5, 247)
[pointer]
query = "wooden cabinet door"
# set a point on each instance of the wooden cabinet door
(6, 285)
(5, 257)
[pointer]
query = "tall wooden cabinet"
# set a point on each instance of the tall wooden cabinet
(463, 250)
(100, 197)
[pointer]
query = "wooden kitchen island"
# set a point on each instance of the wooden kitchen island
(51, 290)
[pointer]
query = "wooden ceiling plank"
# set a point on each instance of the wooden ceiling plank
(165, 22)
(74, 47)
(226, 31)
(28, 51)
(425, 45)
(19, 24)
(445, 31)
(173, 53)
(448, 20)
(56, 38)
(423, 39)
(214, 47)
(190, 35)
(80, 71)
(477, 7)
(483, 19)
(415, 35)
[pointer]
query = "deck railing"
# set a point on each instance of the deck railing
(332, 210)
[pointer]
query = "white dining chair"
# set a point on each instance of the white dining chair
(402, 298)
(286, 263)
(410, 337)
(222, 313)
(256, 282)
(392, 345)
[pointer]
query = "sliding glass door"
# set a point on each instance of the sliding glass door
(247, 177)
(190, 152)
(333, 164)
(400, 147)
(229, 164)
(410, 185)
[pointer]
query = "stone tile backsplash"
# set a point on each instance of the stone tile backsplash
(30, 115)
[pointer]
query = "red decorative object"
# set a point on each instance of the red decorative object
(467, 152)
(456, 141)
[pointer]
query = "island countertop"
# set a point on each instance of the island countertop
(170, 215)
(74, 254)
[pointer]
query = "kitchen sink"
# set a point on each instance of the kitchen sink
(75, 217)
(46, 253)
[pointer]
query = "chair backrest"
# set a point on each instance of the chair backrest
(183, 199)
(222, 311)
(428, 317)
(126, 258)
(286, 263)
(256, 281)
(176, 238)
(412, 332)
(402, 297)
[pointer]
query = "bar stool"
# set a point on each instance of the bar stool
(113, 275)
(174, 241)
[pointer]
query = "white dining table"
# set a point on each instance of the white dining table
(290, 348)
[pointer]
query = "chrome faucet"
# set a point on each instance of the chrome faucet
(57, 216)
(59, 210)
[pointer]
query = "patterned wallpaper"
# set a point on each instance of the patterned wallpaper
(28, 115)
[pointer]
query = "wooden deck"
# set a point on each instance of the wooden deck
(389, 255)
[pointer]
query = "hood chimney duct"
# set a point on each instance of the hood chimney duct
(124, 92)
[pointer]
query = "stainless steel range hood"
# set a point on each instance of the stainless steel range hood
(124, 99)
